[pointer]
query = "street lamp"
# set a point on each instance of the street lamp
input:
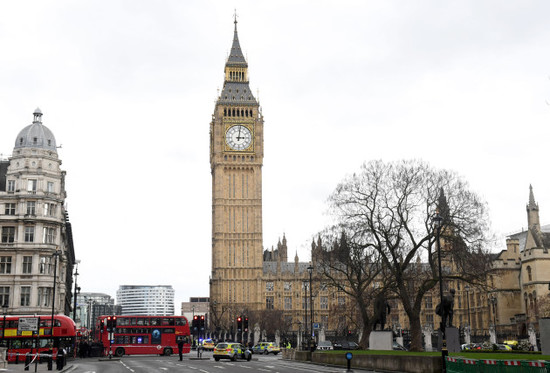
(56, 254)
(493, 301)
(305, 301)
(437, 222)
(4, 312)
(310, 270)
(467, 288)
(76, 289)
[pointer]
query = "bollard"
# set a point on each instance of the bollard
(27, 361)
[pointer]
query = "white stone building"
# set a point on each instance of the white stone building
(36, 236)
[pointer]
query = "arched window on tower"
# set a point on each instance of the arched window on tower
(529, 273)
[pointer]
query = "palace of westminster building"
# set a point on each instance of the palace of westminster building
(36, 238)
(247, 279)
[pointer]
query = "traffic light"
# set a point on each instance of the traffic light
(195, 322)
(109, 324)
(113, 321)
(202, 322)
(245, 323)
(239, 323)
(101, 325)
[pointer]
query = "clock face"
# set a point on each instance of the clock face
(238, 137)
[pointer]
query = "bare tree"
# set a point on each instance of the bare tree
(390, 207)
(351, 266)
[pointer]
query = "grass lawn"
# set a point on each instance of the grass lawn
(470, 355)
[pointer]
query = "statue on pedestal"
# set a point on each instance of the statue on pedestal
(381, 309)
(445, 309)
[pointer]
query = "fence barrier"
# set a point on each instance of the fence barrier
(463, 365)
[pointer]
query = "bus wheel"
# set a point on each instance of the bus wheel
(167, 351)
(119, 352)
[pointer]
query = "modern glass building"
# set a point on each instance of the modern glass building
(156, 300)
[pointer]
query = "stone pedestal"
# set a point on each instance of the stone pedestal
(492, 334)
(532, 337)
(467, 335)
(427, 333)
(381, 340)
(544, 329)
(452, 339)
(277, 338)
(256, 334)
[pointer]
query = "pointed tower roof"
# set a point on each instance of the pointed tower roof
(236, 90)
(236, 57)
(532, 204)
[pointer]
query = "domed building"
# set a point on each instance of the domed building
(36, 245)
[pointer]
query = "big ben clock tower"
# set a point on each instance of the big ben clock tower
(236, 156)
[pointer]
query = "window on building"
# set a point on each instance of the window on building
(341, 301)
(50, 187)
(305, 303)
(29, 234)
(288, 286)
(269, 304)
(428, 303)
(4, 295)
(31, 186)
(269, 286)
(5, 265)
(8, 234)
(529, 273)
(10, 209)
(323, 303)
(27, 264)
(430, 320)
(25, 296)
(44, 296)
(288, 303)
(46, 265)
(49, 235)
(49, 209)
(31, 207)
(11, 186)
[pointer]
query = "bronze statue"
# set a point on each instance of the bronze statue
(380, 307)
(445, 309)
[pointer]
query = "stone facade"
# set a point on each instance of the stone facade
(35, 226)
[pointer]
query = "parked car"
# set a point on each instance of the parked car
(345, 345)
(503, 347)
(266, 348)
(325, 345)
(208, 344)
(231, 351)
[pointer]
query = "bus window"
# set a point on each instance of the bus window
(146, 321)
(140, 322)
(155, 321)
(133, 321)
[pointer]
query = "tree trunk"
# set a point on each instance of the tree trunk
(365, 335)
(416, 332)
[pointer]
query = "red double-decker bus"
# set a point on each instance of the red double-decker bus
(136, 335)
(19, 342)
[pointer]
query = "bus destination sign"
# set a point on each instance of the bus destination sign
(29, 324)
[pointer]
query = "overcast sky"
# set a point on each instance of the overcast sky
(128, 89)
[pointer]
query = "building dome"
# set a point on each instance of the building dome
(36, 135)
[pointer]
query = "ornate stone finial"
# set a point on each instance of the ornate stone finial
(532, 203)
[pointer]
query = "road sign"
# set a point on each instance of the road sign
(315, 325)
(28, 324)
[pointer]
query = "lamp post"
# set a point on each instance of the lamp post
(76, 289)
(305, 301)
(54, 255)
(493, 301)
(310, 270)
(437, 222)
(467, 288)
(4, 312)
